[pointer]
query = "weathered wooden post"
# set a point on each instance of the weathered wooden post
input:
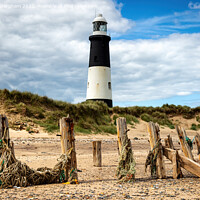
(68, 141)
(126, 165)
(97, 158)
(185, 147)
(197, 139)
(4, 129)
(156, 147)
(1, 127)
(177, 173)
(169, 142)
(121, 131)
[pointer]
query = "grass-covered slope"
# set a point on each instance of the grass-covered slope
(89, 116)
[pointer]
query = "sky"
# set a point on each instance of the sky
(154, 49)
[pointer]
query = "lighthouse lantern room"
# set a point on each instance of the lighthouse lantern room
(99, 71)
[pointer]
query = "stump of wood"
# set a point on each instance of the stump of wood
(97, 158)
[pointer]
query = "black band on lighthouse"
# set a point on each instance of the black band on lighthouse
(107, 101)
(99, 51)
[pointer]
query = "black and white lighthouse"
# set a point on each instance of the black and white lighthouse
(99, 71)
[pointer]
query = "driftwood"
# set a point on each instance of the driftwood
(185, 162)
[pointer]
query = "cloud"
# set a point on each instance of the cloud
(45, 49)
(195, 5)
(162, 26)
(155, 69)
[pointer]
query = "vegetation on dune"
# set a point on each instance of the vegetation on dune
(89, 116)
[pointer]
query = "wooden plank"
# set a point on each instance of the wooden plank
(121, 131)
(184, 145)
(97, 158)
(197, 139)
(185, 162)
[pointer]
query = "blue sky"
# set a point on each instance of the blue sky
(155, 48)
(165, 17)
(143, 9)
(177, 16)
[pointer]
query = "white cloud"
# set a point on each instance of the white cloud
(155, 69)
(183, 93)
(195, 5)
(44, 44)
(45, 49)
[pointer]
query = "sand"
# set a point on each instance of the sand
(40, 150)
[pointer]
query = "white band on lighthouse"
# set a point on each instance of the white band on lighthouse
(99, 83)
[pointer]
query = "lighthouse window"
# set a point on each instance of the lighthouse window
(103, 27)
(109, 85)
(88, 84)
(99, 26)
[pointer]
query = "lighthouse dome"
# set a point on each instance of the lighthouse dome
(99, 18)
(99, 25)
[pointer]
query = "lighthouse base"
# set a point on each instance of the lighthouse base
(107, 101)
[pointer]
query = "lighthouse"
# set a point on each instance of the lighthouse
(99, 72)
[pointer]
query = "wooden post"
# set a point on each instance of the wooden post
(97, 158)
(169, 142)
(121, 131)
(177, 173)
(4, 129)
(154, 133)
(184, 145)
(68, 140)
(63, 133)
(197, 139)
(118, 147)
